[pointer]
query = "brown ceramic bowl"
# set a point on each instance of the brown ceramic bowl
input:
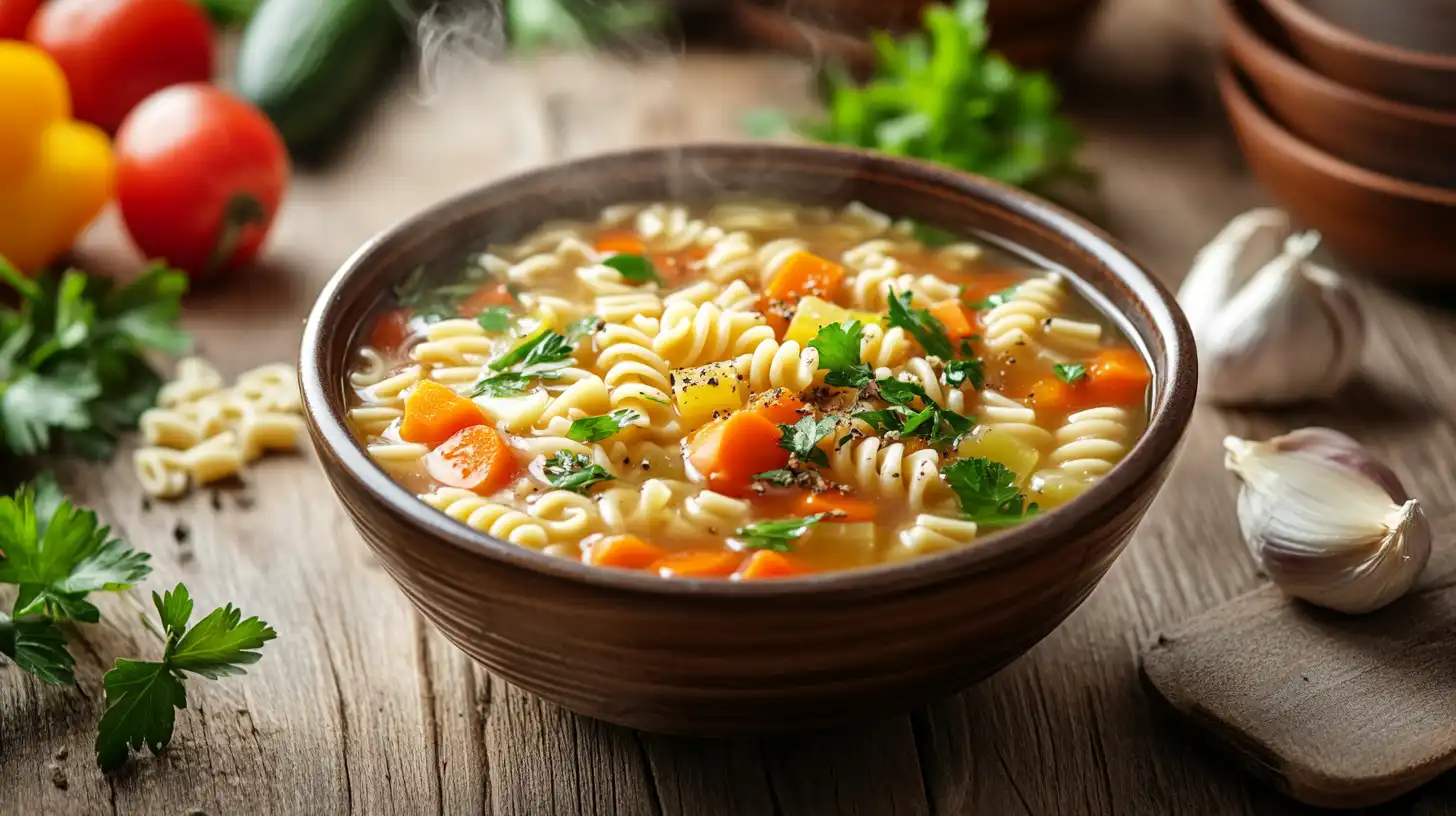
(719, 657)
(1413, 143)
(1357, 60)
(1393, 229)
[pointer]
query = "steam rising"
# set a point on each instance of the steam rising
(456, 40)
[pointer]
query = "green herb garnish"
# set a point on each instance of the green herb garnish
(509, 383)
(802, 438)
(838, 347)
(38, 647)
(987, 491)
(1000, 298)
(433, 302)
(959, 372)
(73, 357)
(544, 349)
(937, 425)
(142, 696)
(931, 236)
(585, 327)
(922, 325)
(594, 429)
(778, 478)
(1069, 373)
(942, 95)
(495, 319)
(634, 268)
(574, 471)
(775, 535)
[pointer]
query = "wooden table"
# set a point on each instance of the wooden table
(359, 706)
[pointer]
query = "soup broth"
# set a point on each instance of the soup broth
(746, 391)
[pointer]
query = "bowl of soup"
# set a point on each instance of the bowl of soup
(729, 438)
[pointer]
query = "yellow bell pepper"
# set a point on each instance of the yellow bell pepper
(56, 174)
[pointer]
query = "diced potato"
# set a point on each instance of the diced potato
(837, 545)
(705, 391)
(1053, 488)
(815, 313)
(1001, 446)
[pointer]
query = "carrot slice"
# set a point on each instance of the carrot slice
(1117, 377)
(434, 413)
(491, 294)
(624, 242)
(389, 331)
(1053, 396)
(954, 317)
(839, 506)
(728, 452)
(475, 458)
(802, 274)
(779, 406)
(767, 564)
(623, 552)
(698, 564)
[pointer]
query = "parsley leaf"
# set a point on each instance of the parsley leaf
(960, 372)
(634, 268)
(73, 356)
(583, 328)
(1000, 298)
(939, 426)
(38, 647)
(495, 319)
(838, 347)
(574, 471)
(884, 420)
(802, 438)
(987, 491)
(434, 302)
(902, 392)
(142, 696)
(775, 535)
(1069, 373)
(509, 383)
(931, 236)
(922, 325)
(57, 554)
(547, 347)
(778, 478)
(594, 429)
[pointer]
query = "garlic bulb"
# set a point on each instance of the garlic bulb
(1272, 327)
(1327, 521)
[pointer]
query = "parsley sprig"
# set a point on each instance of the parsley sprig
(802, 439)
(939, 426)
(838, 346)
(777, 535)
(540, 357)
(574, 472)
(588, 430)
(634, 268)
(987, 491)
(921, 325)
(73, 364)
(1070, 373)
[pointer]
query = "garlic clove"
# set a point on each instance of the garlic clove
(1222, 267)
(1327, 521)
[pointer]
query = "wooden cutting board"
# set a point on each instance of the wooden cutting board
(1334, 710)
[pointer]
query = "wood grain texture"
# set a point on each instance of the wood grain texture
(360, 707)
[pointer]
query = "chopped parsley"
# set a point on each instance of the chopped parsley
(574, 472)
(937, 425)
(960, 372)
(510, 383)
(634, 268)
(1069, 373)
(432, 301)
(778, 478)
(987, 491)
(495, 319)
(802, 438)
(546, 348)
(931, 236)
(997, 299)
(775, 535)
(922, 325)
(583, 328)
(838, 347)
(594, 429)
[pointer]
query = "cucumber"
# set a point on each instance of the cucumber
(307, 64)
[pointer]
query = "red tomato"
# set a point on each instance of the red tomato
(115, 53)
(199, 176)
(15, 16)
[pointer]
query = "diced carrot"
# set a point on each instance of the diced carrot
(779, 406)
(802, 274)
(777, 503)
(624, 242)
(1053, 396)
(623, 552)
(767, 564)
(954, 317)
(698, 564)
(389, 331)
(674, 267)
(434, 413)
(728, 452)
(476, 459)
(987, 284)
(491, 294)
(1117, 377)
(839, 506)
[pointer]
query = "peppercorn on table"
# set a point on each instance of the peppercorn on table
(359, 706)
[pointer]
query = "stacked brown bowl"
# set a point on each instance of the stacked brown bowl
(1030, 33)
(1351, 128)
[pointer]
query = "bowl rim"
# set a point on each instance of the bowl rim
(1239, 30)
(1294, 14)
(1230, 79)
(1171, 410)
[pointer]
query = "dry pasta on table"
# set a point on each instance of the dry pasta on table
(683, 390)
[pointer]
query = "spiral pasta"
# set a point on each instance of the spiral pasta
(772, 365)
(931, 534)
(1017, 321)
(919, 370)
(694, 335)
(1091, 441)
(492, 518)
(885, 470)
(1005, 414)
